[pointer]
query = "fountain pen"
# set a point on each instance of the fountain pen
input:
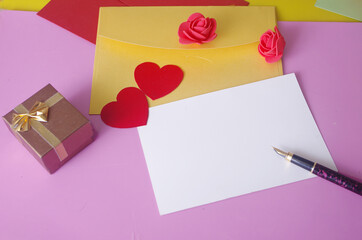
(322, 171)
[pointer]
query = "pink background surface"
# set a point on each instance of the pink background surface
(105, 192)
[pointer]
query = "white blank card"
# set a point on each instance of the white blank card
(219, 145)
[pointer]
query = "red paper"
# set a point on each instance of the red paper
(157, 82)
(81, 16)
(130, 110)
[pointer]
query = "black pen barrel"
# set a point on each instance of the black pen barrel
(337, 178)
(302, 162)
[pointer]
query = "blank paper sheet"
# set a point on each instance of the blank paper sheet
(219, 145)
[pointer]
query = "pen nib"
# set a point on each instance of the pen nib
(280, 152)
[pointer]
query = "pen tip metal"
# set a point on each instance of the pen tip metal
(280, 152)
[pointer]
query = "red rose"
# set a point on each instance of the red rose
(271, 45)
(197, 29)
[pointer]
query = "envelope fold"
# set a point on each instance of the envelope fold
(157, 26)
(129, 36)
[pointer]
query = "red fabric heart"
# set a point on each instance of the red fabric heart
(130, 110)
(156, 82)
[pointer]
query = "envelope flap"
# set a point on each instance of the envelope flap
(158, 26)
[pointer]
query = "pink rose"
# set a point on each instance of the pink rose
(197, 29)
(271, 45)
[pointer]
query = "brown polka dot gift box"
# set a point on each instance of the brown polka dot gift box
(50, 128)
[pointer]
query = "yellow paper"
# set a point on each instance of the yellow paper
(24, 5)
(129, 36)
(301, 10)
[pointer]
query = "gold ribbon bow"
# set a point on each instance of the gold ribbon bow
(21, 121)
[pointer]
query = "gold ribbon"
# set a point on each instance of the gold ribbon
(39, 113)
(22, 121)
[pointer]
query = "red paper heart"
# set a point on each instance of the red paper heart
(156, 82)
(130, 110)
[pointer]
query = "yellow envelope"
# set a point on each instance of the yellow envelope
(24, 5)
(129, 36)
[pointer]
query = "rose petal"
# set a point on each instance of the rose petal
(201, 22)
(197, 35)
(195, 16)
(183, 27)
(212, 37)
(272, 40)
(190, 37)
(199, 29)
(210, 30)
(273, 59)
(271, 52)
(213, 25)
(264, 42)
(268, 42)
(261, 51)
(192, 23)
(265, 38)
(262, 48)
(181, 33)
(206, 32)
(280, 45)
(195, 23)
(277, 31)
(207, 22)
(185, 41)
(266, 34)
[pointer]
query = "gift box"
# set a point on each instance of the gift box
(51, 128)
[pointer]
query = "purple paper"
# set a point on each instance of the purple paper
(105, 191)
